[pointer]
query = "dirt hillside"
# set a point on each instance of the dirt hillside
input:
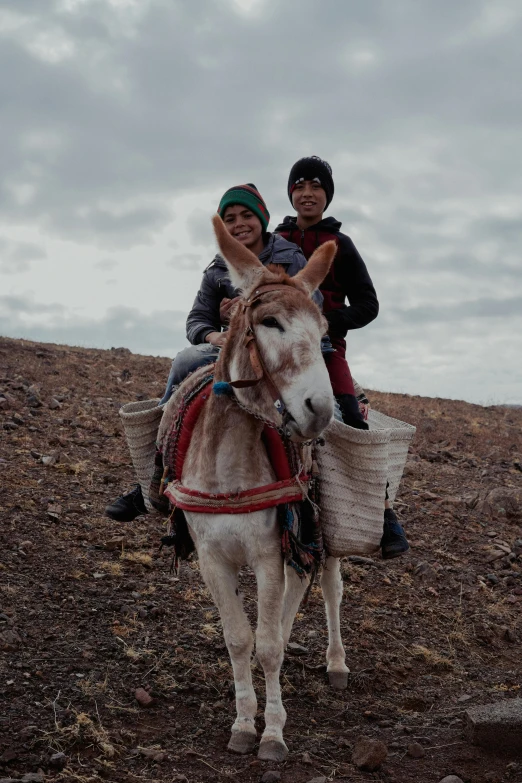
(90, 611)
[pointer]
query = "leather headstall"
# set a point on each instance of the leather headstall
(256, 360)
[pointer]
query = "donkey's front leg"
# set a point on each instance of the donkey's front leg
(221, 579)
(269, 651)
(332, 586)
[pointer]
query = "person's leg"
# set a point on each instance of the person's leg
(343, 387)
(186, 361)
(131, 505)
(393, 542)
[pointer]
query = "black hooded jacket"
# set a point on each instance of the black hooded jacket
(348, 277)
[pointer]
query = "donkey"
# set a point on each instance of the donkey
(226, 455)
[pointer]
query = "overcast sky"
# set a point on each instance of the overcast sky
(123, 121)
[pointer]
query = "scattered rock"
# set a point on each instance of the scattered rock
(358, 560)
(271, 776)
(497, 725)
(33, 401)
(297, 649)
(305, 758)
(451, 779)
(10, 425)
(9, 640)
(58, 761)
(54, 404)
(9, 755)
(33, 777)
(53, 511)
(318, 779)
(143, 698)
(369, 754)
(49, 459)
(425, 572)
(502, 501)
(415, 750)
(114, 543)
(153, 754)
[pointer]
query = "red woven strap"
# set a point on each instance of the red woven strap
(277, 455)
(245, 502)
(189, 422)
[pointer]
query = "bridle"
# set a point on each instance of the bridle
(256, 360)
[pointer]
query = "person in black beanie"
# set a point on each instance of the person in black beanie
(311, 190)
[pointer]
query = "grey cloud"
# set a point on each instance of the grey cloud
(188, 261)
(161, 333)
(200, 228)
(459, 311)
(418, 111)
(169, 104)
(17, 256)
(14, 306)
(107, 264)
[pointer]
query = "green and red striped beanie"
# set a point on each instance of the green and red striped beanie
(247, 196)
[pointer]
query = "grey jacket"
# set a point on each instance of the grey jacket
(216, 286)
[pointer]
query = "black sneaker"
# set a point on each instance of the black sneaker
(127, 507)
(393, 542)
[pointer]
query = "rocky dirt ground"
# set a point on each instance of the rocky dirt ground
(90, 611)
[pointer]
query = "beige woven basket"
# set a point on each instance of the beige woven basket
(355, 466)
(140, 422)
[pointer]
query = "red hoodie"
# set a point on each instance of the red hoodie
(348, 279)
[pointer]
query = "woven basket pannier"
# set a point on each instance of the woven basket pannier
(140, 422)
(354, 467)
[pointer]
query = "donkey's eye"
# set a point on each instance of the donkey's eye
(272, 323)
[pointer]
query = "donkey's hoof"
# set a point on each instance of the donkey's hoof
(338, 680)
(241, 742)
(272, 750)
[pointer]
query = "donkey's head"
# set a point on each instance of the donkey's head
(275, 339)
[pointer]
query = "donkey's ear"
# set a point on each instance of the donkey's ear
(318, 266)
(244, 267)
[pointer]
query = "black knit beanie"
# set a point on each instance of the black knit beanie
(247, 196)
(312, 168)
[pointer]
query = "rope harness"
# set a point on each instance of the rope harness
(250, 343)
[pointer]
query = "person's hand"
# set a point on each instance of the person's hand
(225, 309)
(216, 338)
(364, 407)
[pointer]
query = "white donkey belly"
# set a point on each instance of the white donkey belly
(239, 538)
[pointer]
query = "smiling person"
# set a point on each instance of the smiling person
(246, 218)
(310, 190)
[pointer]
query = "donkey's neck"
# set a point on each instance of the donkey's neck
(226, 452)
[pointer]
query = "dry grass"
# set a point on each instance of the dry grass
(94, 688)
(209, 630)
(369, 625)
(139, 558)
(113, 569)
(72, 468)
(77, 574)
(83, 731)
(431, 657)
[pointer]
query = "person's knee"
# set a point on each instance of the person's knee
(191, 358)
